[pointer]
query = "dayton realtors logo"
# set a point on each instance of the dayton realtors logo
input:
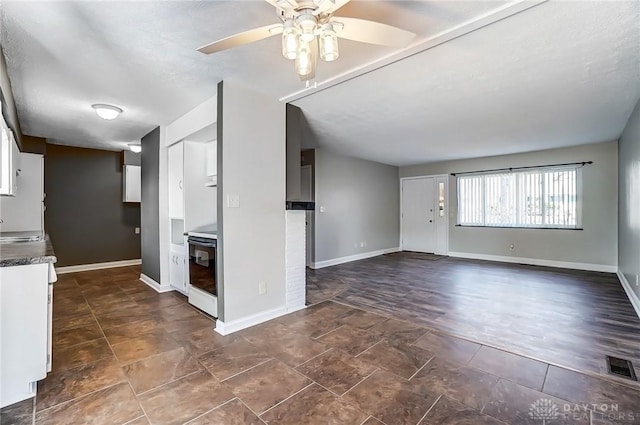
(546, 411)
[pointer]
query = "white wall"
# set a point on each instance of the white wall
(595, 246)
(361, 204)
(629, 232)
(251, 166)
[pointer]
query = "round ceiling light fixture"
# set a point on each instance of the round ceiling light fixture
(106, 112)
(134, 147)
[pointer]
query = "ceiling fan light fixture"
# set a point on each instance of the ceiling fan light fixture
(106, 112)
(307, 23)
(304, 60)
(328, 44)
(290, 40)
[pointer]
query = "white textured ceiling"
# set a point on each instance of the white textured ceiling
(558, 74)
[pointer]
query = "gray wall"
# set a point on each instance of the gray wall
(629, 207)
(251, 166)
(361, 200)
(85, 216)
(150, 204)
(596, 244)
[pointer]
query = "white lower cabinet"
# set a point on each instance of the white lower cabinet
(178, 270)
(25, 311)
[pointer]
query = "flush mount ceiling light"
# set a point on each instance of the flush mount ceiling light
(107, 112)
(308, 27)
(137, 148)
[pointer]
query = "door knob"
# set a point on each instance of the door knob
(430, 221)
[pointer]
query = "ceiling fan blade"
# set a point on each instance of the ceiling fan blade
(328, 6)
(239, 39)
(371, 32)
(288, 5)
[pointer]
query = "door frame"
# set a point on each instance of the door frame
(447, 206)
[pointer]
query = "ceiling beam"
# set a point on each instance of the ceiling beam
(469, 26)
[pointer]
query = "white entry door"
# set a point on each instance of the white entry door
(418, 215)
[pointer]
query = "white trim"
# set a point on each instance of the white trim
(537, 262)
(350, 258)
(154, 285)
(633, 297)
(237, 325)
(97, 266)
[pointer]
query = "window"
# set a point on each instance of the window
(540, 197)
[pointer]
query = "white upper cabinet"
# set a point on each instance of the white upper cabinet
(176, 182)
(131, 183)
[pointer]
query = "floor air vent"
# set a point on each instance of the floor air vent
(621, 367)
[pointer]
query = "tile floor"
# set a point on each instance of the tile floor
(124, 354)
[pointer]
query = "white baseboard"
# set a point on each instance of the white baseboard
(154, 285)
(350, 258)
(237, 325)
(291, 309)
(633, 297)
(97, 266)
(537, 262)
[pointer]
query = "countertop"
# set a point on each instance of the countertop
(24, 253)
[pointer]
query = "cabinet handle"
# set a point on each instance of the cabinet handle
(180, 184)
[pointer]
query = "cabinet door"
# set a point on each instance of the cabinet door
(131, 176)
(177, 271)
(176, 184)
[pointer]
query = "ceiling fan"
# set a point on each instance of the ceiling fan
(308, 27)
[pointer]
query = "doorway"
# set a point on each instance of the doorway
(424, 214)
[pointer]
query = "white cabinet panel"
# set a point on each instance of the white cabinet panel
(24, 337)
(131, 183)
(176, 184)
(178, 271)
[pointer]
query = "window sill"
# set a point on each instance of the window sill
(519, 227)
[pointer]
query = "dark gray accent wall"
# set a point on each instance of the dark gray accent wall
(131, 158)
(629, 202)
(150, 204)
(85, 216)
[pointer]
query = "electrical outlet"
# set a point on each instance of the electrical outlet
(637, 277)
(137, 230)
(233, 201)
(262, 287)
(322, 209)
(361, 244)
(512, 247)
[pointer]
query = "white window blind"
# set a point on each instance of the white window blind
(539, 197)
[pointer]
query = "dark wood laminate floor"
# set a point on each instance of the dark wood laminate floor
(126, 355)
(566, 317)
